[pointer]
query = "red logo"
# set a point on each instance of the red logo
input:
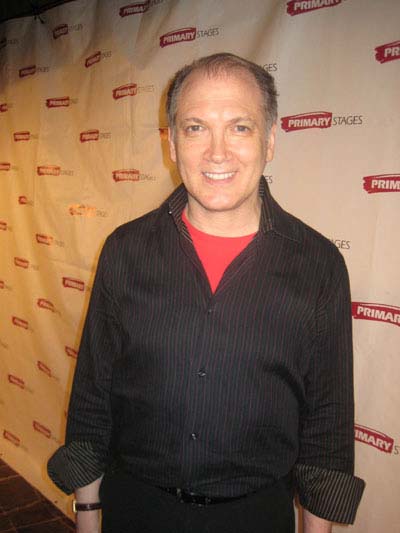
(382, 183)
(48, 170)
(20, 262)
(178, 36)
(16, 381)
(27, 71)
(73, 283)
(22, 136)
(23, 200)
(44, 239)
(125, 90)
(2, 284)
(374, 438)
(163, 133)
(82, 210)
(91, 60)
(5, 166)
(89, 135)
(126, 175)
(387, 52)
(62, 101)
(12, 438)
(134, 9)
(318, 119)
(60, 30)
(71, 352)
(3, 225)
(45, 304)
(41, 429)
(19, 322)
(3, 108)
(44, 368)
(378, 312)
(296, 7)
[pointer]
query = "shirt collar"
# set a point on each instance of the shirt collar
(273, 217)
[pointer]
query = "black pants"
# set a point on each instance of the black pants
(130, 506)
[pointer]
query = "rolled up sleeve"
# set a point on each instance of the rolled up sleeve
(330, 494)
(85, 454)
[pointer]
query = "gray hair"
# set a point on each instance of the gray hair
(224, 62)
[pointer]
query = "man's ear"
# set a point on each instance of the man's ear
(271, 144)
(171, 142)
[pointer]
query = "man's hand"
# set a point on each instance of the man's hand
(314, 524)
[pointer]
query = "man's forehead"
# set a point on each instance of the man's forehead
(224, 75)
(204, 79)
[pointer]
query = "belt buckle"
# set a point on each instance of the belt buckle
(192, 498)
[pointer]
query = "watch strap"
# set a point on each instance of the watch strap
(77, 506)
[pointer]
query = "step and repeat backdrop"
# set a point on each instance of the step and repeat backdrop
(83, 149)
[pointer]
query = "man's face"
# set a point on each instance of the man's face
(220, 142)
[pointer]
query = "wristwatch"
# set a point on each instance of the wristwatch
(77, 506)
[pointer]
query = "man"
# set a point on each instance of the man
(214, 377)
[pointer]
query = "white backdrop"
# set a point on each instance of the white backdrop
(83, 149)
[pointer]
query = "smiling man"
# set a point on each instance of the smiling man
(221, 143)
(214, 378)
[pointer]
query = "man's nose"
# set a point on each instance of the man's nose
(218, 150)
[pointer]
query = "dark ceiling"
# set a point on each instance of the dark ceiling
(10, 9)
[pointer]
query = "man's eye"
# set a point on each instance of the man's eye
(240, 128)
(194, 128)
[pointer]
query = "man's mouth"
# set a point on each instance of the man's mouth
(218, 175)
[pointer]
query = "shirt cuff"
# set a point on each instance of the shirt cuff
(329, 494)
(75, 465)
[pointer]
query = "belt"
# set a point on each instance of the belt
(190, 497)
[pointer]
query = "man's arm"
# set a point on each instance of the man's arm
(323, 473)
(84, 457)
(88, 521)
(314, 524)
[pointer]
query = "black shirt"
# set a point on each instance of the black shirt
(222, 393)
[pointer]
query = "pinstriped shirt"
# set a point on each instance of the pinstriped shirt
(224, 393)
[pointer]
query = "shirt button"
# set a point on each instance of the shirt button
(201, 373)
(209, 311)
(194, 436)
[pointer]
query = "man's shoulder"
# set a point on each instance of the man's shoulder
(299, 233)
(141, 225)
(313, 237)
(132, 237)
(313, 243)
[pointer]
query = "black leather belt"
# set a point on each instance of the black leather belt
(190, 497)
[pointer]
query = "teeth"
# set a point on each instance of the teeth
(218, 176)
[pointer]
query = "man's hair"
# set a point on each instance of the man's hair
(215, 64)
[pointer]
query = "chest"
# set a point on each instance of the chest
(262, 312)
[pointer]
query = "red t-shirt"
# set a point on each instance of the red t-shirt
(216, 253)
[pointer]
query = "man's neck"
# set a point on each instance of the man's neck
(224, 223)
